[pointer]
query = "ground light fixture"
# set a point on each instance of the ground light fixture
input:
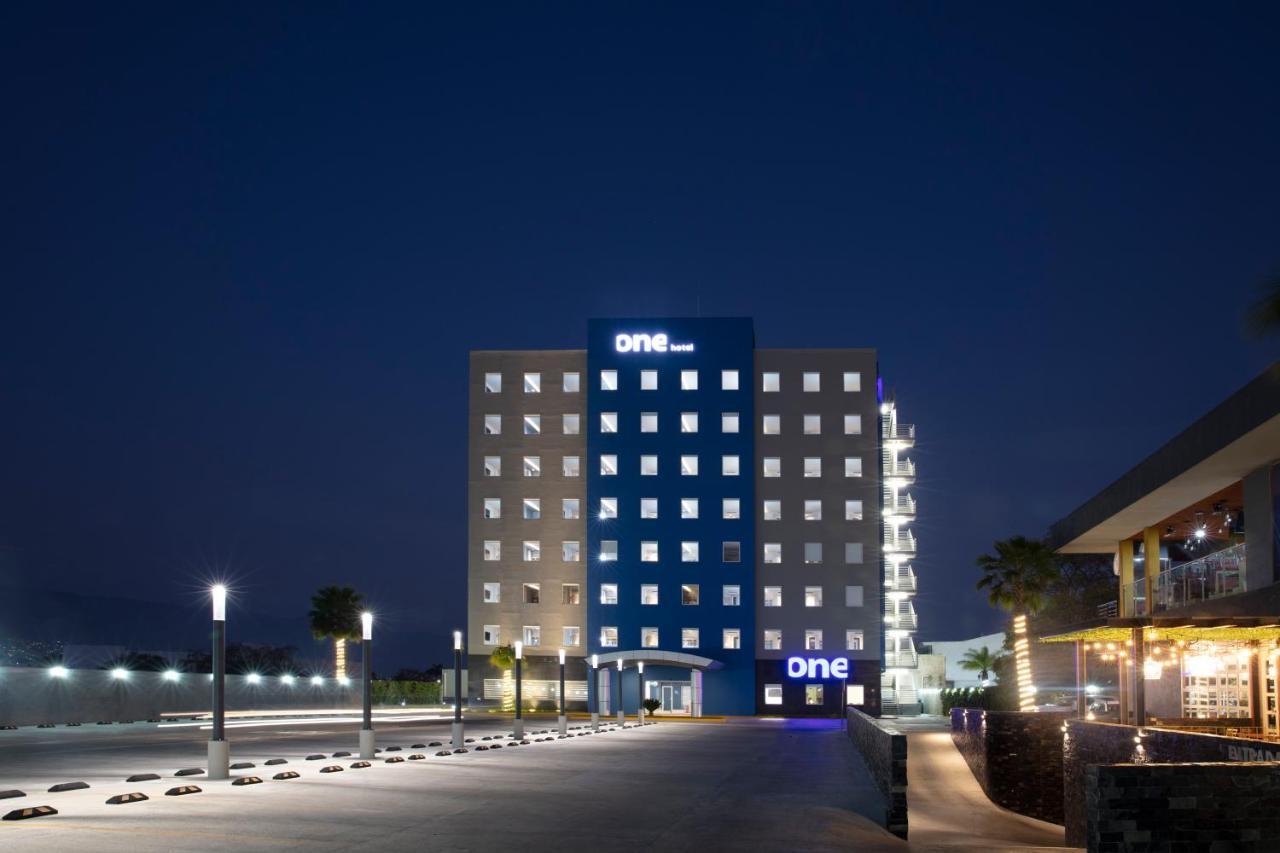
(120, 673)
(367, 747)
(343, 680)
(564, 719)
(317, 680)
(219, 749)
(286, 679)
(58, 672)
(457, 732)
(518, 728)
(253, 678)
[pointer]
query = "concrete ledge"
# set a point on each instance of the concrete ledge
(884, 751)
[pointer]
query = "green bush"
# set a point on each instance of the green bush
(406, 692)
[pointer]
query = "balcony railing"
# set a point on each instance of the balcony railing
(1216, 575)
(902, 434)
(905, 621)
(903, 469)
(904, 506)
(901, 659)
(901, 579)
(900, 544)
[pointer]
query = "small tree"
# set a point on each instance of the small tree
(335, 614)
(981, 661)
(503, 657)
(651, 705)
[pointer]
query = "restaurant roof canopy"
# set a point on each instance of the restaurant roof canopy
(1238, 436)
(1187, 628)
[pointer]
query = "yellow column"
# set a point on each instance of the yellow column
(1151, 558)
(1126, 577)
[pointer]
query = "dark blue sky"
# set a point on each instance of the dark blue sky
(246, 250)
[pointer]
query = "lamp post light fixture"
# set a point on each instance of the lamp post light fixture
(518, 728)
(120, 674)
(219, 749)
(564, 717)
(621, 717)
(366, 665)
(640, 691)
(317, 680)
(58, 671)
(458, 738)
(170, 675)
(593, 693)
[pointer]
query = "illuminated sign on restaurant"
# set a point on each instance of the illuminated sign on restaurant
(798, 667)
(648, 343)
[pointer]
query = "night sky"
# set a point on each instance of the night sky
(247, 248)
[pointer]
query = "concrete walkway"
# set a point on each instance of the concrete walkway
(948, 810)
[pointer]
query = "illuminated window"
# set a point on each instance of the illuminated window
(688, 507)
(493, 383)
(813, 510)
(773, 596)
(533, 466)
(492, 550)
(812, 382)
(688, 466)
(731, 552)
(608, 380)
(492, 635)
(813, 552)
(533, 383)
(648, 466)
(853, 382)
(729, 466)
(773, 552)
(731, 638)
(532, 636)
(493, 424)
(572, 636)
(813, 424)
(648, 638)
(648, 421)
(853, 424)
(772, 693)
(572, 382)
(532, 593)
(648, 380)
(649, 594)
(688, 638)
(853, 510)
(532, 509)
(731, 508)
(688, 380)
(492, 593)
(608, 507)
(533, 424)
(688, 552)
(572, 466)
(608, 550)
(853, 552)
(493, 507)
(855, 694)
(813, 596)
(728, 421)
(813, 694)
(648, 507)
(772, 510)
(532, 550)
(571, 508)
(648, 552)
(772, 639)
(731, 595)
(608, 593)
(771, 424)
(813, 466)
(493, 466)
(728, 380)
(572, 424)
(772, 466)
(813, 639)
(853, 596)
(689, 595)
(608, 465)
(688, 421)
(571, 551)
(609, 637)
(853, 640)
(853, 466)
(570, 593)
(608, 421)
(771, 382)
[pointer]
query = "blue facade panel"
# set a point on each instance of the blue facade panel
(707, 346)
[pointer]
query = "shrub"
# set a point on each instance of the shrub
(406, 692)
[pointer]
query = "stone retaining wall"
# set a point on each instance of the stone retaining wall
(1016, 758)
(884, 751)
(1182, 808)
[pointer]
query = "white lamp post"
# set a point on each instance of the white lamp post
(564, 717)
(219, 749)
(621, 718)
(640, 691)
(457, 690)
(593, 693)
(367, 748)
(518, 728)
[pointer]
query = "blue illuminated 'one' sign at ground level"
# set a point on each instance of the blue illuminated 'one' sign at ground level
(798, 667)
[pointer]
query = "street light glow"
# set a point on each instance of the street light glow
(562, 656)
(317, 680)
(457, 641)
(170, 675)
(119, 674)
(595, 661)
(219, 594)
(58, 672)
(343, 680)
(366, 622)
(519, 650)
(253, 678)
(286, 679)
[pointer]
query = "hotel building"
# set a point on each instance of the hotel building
(735, 518)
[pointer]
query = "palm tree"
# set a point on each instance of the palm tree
(981, 661)
(1018, 576)
(335, 613)
(503, 657)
